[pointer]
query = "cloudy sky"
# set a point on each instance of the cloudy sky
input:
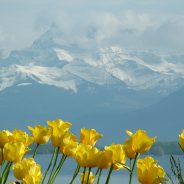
(137, 24)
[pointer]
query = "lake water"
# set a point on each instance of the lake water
(118, 177)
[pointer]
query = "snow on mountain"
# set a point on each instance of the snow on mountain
(47, 75)
(63, 55)
(69, 67)
(139, 74)
(15, 74)
(9, 76)
(24, 84)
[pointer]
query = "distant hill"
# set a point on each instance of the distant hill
(164, 119)
(158, 149)
(31, 106)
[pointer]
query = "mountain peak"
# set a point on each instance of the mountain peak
(51, 62)
(47, 39)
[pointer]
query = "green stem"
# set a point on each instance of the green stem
(83, 175)
(132, 169)
(55, 162)
(7, 172)
(99, 176)
(35, 151)
(88, 175)
(75, 173)
(4, 171)
(1, 175)
(1, 171)
(97, 171)
(130, 163)
(170, 178)
(51, 160)
(58, 168)
(109, 175)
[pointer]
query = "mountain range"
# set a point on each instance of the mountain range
(111, 88)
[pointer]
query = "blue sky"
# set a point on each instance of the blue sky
(137, 24)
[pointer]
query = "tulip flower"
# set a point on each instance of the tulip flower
(104, 160)
(67, 147)
(139, 142)
(89, 136)
(14, 152)
(118, 158)
(128, 148)
(86, 155)
(5, 137)
(28, 171)
(118, 155)
(181, 140)
(68, 144)
(29, 180)
(58, 128)
(149, 172)
(87, 178)
(40, 134)
(20, 136)
(59, 123)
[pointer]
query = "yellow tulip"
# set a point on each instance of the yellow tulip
(20, 136)
(28, 171)
(89, 136)
(68, 144)
(86, 155)
(58, 128)
(118, 156)
(40, 134)
(30, 180)
(22, 168)
(5, 137)
(85, 175)
(139, 142)
(181, 140)
(14, 152)
(128, 148)
(149, 172)
(59, 123)
(104, 160)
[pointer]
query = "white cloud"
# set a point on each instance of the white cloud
(128, 23)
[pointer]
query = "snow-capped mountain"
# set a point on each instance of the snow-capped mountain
(69, 67)
(93, 87)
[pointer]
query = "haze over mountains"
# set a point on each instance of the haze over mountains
(111, 88)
